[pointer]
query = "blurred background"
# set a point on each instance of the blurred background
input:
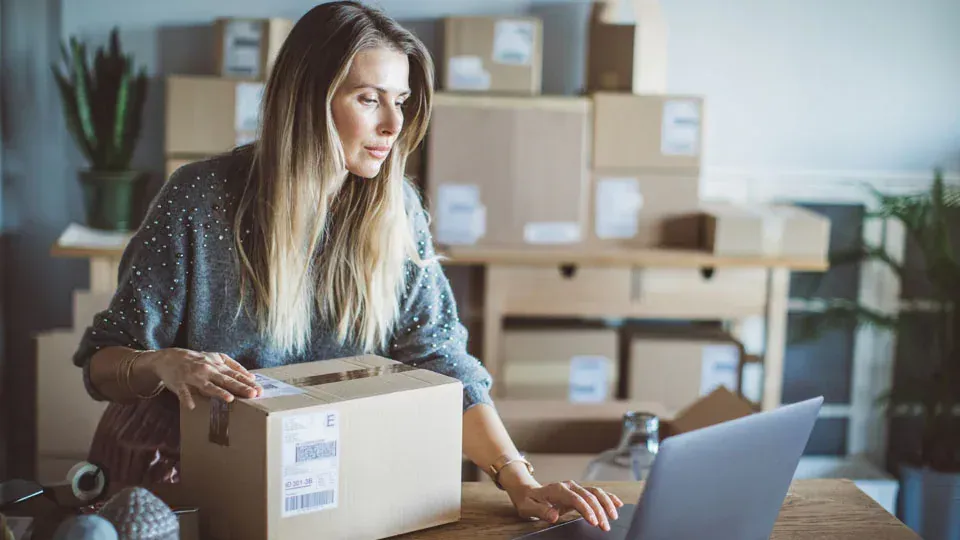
(748, 104)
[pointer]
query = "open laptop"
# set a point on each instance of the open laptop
(723, 482)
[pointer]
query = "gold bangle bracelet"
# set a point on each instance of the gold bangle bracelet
(130, 362)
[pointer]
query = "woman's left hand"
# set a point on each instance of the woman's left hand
(551, 501)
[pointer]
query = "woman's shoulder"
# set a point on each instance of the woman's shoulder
(227, 172)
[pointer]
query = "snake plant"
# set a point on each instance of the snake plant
(103, 106)
(924, 217)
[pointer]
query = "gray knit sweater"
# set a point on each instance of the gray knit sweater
(178, 286)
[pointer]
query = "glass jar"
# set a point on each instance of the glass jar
(631, 460)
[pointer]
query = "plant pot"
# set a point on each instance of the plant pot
(108, 198)
(930, 502)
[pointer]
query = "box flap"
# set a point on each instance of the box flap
(329, 381)
(719, 406)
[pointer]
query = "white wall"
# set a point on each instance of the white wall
(802, 85)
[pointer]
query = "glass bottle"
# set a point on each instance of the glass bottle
(631, 460)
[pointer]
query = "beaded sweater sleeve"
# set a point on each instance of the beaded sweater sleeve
(429, 332)
(147, 308)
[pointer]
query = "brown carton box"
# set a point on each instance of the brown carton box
(501, 55)
(577, 365)
(657, 133)
(331, 447)
(627, 47)
(508, 171)
(750, 230)
(677, 369)
(628, 207)
(246, 48)
(209, 115)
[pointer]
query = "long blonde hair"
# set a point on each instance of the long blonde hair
(321, 244)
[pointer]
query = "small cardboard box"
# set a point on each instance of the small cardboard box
(628, 206)
(328, 448)
(755, 230)
(210, 115)
(576, 365)
(508, 171)
(655, 133)
(501, 55)
(677, 369)
(246, 48)
(627, 47)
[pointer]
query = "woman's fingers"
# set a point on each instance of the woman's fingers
(595, 505)
(570, 498)
(209, 389)
(231, 381)
(606, 501)
(183, 394)
(236, 366)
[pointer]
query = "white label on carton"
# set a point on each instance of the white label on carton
(513, 42)
(680, 131)
(551, 232)
(617, 207)
(241, 48)
(721, 366)
(246, 112)
(589, 380)
(273, 388)
(311, 462)
(467, 73)
(460, 217)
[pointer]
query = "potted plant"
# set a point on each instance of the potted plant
(930, 479)
(103, 108)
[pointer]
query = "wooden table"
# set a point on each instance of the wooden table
(833, 509)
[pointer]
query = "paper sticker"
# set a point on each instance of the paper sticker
(246, 113)
(680, 131)
(467, 73)
(273, 388)
(721, 366)
(241, 46)
(589, 379)
(618, 205)
(513, 42)
(311, 462)
(551, 232)
(460, 217)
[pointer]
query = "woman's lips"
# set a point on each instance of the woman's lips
(379, 152)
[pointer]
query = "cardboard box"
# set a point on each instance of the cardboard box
(492, 55)
(627, 47)
(754, 230)
(655, 133)
(678, 368)
(508, 171)
(628, 207)
(577, 365)
(246, 48)
(328, 448)
(210, 115)
(549, 428)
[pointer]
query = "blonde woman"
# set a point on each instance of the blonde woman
(307, 244)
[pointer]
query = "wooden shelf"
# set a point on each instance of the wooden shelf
(648, 258)
(519, 410)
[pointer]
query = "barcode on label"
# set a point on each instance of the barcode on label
(307, 501)
(268, 386)
(316, 450)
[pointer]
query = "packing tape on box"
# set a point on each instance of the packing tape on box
(219, 430)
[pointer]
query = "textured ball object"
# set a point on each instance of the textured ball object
(138, 514)
(85, 528)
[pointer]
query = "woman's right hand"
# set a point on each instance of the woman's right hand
(212, 374)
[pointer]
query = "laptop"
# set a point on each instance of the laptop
(723, 482)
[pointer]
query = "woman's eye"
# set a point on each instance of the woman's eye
(368, 101)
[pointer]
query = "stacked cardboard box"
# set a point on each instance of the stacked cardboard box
(213, 113)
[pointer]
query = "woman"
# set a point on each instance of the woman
(308, 244)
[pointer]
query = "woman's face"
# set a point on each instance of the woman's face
(368, 108)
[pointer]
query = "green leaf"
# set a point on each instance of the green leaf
(81, 85)
(70, 113)
(867, 253)
(120, 120)
(840, 313)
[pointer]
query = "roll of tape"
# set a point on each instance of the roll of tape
(87, 481)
